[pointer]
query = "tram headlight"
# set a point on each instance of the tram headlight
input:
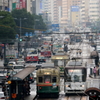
(67, 85)
(82, 85)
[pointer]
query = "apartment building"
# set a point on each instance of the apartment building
(94, 10)
(4, 5)
(70, 13)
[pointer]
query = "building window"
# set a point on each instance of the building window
(0, 7)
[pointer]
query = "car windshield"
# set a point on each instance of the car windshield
(20, 60)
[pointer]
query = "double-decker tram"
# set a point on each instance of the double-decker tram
(75, 74)
(48, 82)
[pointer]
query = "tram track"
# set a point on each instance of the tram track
(63, 97)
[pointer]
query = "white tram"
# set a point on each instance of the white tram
(75, 74)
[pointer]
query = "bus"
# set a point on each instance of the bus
(32, 56)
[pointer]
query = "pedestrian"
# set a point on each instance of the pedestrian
(77, 52)
(1, 57)
(97, 61)
(94, 72)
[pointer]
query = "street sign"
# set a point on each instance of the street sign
(55, 27)
(26, 34)
(30, 34)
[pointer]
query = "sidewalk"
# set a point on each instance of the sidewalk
(92, 76)
(31, 96)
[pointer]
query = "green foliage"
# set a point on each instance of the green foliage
(26, 20)
(39, 24)
(7, 26)
(28, 24)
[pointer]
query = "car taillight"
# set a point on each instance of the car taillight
(2, 97)
(6, 76)
(31, 77)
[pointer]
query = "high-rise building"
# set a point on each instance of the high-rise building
(84, 12)
(94, 9)
(52, 11)
(70, 13)
(89, 12)
(4, 5)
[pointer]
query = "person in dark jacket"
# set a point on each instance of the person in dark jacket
(97, 61)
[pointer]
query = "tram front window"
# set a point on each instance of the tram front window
(47, 79)
(54, 79)
(59, 63)
(74, 75)
(40, 79)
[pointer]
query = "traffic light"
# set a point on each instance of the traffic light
(20, 40)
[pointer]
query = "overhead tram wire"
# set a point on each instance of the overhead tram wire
(76, 86)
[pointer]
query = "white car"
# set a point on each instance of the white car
(2, 97)
(12, 63)
(34, 73)
(20, 61)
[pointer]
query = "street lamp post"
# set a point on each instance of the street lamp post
(5, 64)
(20, 33)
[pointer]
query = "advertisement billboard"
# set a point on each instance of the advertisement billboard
(18, 4)
(74, 8)
(22, 4)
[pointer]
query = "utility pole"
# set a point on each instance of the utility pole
(20, 33)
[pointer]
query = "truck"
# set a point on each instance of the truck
(11, 54)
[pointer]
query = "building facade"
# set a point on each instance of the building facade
(4, 5)
(94, 10)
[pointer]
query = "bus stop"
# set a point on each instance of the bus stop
(19, 85)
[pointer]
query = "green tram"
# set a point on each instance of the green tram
(60, 60)
(48, 82)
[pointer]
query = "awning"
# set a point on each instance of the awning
(23, 73)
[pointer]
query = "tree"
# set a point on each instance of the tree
(27, 20)
(39, 24)
(7, 26)
(27, 25)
